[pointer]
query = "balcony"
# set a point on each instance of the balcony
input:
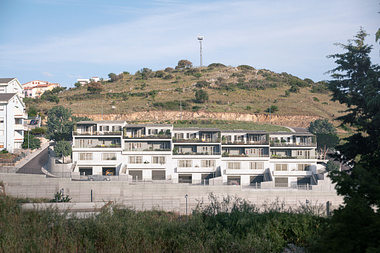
(292, 157)
(158, 136)
(196, 140)
(287, 144)
(245, 143)
(225, 154)
(20, 127)
(147, 150)
(97, 133)
(99, 146)
(196, 153)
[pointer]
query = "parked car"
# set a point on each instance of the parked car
(233, 182)
(97, 178)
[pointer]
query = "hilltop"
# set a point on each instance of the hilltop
(241, 90)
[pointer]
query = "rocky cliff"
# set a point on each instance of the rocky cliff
(157, 116)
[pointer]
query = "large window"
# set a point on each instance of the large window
(303, 167)
(185, 163)
(281, 167)
(135, 159)
(256, 165)
(158, 159)
(233, 165)
(85, 156)
(208, 163)
(108, 156)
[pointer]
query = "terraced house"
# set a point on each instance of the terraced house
(195, 155)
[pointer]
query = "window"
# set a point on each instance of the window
(233, 165)
(108, 156)
(281, 167)
(1, 120)
(256, 165)
(85, 156)
(185, 163)
(299, 153)
(1, 107)
(100, 128)
(208, 163)
(303, 167)
(158, 159)
(1, 145)
(135, 159)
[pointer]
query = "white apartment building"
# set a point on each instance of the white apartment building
(11, 85)
(194, 155)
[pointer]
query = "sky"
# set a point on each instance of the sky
(62, 40)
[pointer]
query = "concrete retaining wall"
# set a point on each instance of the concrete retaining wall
(168, 197)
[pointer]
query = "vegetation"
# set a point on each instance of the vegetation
(30, 142)
(62, 149)
(232, 225)
(94, 87)
(201, 96)
(354, 227)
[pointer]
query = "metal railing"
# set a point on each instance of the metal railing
(98, 133)
(197, 140)
(196, 153)
(157, 136)
(245, 142)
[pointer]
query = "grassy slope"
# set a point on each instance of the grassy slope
(182, 86)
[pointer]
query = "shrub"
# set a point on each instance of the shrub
(38, 131)
(272, 109)
(315, 99)
(201, 84)
(216, 65)
(245, 67)
(168, 77)
(201, 96)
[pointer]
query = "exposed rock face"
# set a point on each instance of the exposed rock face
(154, 116)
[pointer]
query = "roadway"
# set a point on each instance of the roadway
(34, 165)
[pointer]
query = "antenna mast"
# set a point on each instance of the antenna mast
(200, 38)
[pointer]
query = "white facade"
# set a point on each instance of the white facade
(195, 155)
(86, 81)
(11, 85)
(34, 89)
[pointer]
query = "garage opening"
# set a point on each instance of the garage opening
(205, 178)
(109, 171)
(185, 178)
(85, 171)
(136, 175)
(281, 182)
(256, 179)
(233, 180)
(158, 175)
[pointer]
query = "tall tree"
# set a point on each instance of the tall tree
(355, 227)
(62, 149)
(59, 125)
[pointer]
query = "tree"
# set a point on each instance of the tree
(62, 149)
(94, 87)
(32, 112)
(355, 227)
(77, 85)
(113, 77)
(184, 64)
(33, 141)
(201, 96)
(60, 123)
(322, 126)
(272, 109)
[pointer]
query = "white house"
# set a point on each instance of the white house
(86, 81)
(11, 85)
(12, 118)
(34, 89)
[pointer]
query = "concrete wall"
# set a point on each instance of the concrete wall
(168, 197)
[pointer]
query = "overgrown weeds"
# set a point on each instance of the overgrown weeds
(229, 225)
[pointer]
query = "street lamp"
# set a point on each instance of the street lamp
(186, 204)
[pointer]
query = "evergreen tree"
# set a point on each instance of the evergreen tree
(355, 227)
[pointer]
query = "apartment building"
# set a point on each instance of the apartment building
(12, 115)
(194, 155)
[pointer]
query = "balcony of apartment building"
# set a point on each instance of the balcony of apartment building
(101, 143)
(195, 150)
(18, 136)
(245, 139)
(300, 169)
(154, 147)
(20, 125)
(141, 132)
(294, 141)
(18, 114)
(240, 152)
(198, 136)
(292, 154)
(197, 166)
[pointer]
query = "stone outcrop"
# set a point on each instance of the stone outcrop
(159, 116)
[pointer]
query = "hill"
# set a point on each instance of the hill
(233, 90)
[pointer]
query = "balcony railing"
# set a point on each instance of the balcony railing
(196, 153)
(225, 154)
(292, 157)
(97, 133)
(158, 136)
(286, 144)
(245, 142)
(147, 150)
(196, 140)
(99, 146)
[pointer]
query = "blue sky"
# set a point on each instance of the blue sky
(62, 40)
